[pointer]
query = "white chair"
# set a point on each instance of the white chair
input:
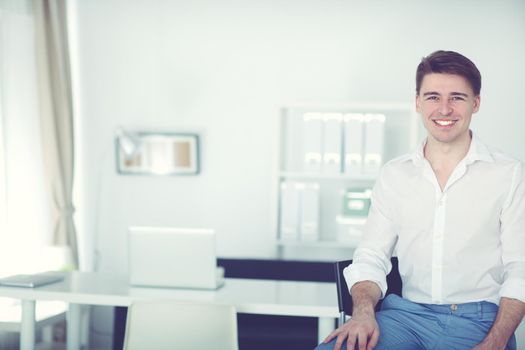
(180, 325)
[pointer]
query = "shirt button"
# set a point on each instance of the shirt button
(453, 307)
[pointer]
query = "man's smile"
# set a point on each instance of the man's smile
(444, 122)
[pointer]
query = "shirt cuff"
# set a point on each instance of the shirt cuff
(513, 288)
(358, 272)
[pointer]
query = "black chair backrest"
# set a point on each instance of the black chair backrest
(344, 300)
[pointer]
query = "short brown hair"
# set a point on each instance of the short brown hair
(449, 62)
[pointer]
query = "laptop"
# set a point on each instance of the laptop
(173, 257)
(31, 281)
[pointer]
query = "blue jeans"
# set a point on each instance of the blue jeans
(405, 325)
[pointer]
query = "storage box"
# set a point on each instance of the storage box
(356, 202)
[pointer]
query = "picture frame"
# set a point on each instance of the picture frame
(155, 153)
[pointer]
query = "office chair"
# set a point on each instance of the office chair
(172, 325)
(344, 300)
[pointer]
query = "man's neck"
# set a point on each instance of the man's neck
(443, 156)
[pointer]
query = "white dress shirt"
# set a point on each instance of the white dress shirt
(463, 244)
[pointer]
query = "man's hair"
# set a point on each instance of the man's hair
(449, 62)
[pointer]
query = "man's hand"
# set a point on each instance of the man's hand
(490, 343)
(509, 316)
(485, 345)
(362, 330)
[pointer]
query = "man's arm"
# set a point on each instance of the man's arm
(362, 328)
(509, 316)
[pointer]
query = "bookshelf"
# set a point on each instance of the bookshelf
(318, 159)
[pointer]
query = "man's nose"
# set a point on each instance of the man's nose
(445, 108)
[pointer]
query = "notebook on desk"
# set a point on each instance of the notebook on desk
(173, 257)
(31, 281)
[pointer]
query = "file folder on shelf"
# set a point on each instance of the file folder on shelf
(289, 210)
(353, 144)
(312, 142)
(374, 139)
(310, 212)
(332, 143)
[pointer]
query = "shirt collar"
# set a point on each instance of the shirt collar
(477, 151)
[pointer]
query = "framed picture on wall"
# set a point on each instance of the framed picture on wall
(157, 153)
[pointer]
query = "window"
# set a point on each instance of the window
(25, 215)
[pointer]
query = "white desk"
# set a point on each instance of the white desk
(266, 297)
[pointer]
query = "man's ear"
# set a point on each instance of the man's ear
(418, 106)
(477, 102)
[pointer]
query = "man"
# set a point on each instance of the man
(454, 210)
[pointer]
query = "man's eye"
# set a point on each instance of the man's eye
(457, 98)
(432, 98)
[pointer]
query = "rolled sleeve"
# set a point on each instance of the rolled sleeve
(513, 238)
(513, 288)
(368, 266)
(371, 260)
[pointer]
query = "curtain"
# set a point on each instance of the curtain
(56, 113)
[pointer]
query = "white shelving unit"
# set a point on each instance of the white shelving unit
(323, 177)
(401, 134)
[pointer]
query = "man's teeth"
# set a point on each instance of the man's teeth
(444, 122)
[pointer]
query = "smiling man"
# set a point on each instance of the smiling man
(454, 210)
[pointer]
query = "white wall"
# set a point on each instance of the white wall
(224, 68)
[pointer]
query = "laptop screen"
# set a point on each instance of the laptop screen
(172, 257)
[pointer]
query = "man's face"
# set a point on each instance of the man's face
(446, 103)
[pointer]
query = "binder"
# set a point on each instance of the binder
(353, 144)
(309, 212)
(289, 211)
(374, 140)
(312, 142)
(332, 143)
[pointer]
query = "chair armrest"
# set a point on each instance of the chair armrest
(344, 300)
